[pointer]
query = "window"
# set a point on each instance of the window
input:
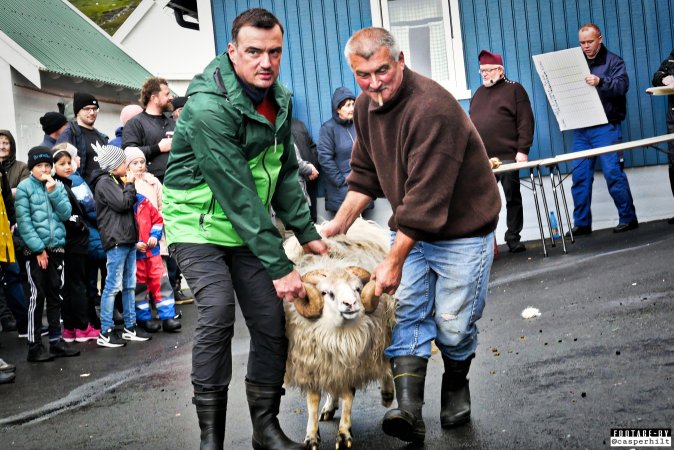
(429, 35)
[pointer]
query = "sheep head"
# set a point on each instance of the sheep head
(343, 288)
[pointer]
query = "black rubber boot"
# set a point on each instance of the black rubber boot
(37, 353)
(264, 402)
(212, 414)
(455, 395)
(405, 422)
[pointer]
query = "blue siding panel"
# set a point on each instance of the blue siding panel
(641, 31)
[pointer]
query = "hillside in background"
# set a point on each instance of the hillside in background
(108, 14)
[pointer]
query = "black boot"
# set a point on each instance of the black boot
(61, 350)
(455, 395)
(170, 325)
(37, 352)
(264, 402)
(405, 422)
(212, 413)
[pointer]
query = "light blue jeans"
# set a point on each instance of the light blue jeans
(441, 296)
(121, 277)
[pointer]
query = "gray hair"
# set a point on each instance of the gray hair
(368, 41)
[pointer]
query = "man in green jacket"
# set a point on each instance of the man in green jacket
(231, 159)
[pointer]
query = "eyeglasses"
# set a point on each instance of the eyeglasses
(486, 71)
(90, 109)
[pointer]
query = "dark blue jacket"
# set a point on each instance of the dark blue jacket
(73, 135)
(335, 141)
(117, 141)
(613, 84)
(666, 68)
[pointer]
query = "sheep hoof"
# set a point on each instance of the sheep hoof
(344, 440)
(327, 415)
(386, 399)
(312, 443)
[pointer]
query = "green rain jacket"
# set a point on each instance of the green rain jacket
(227, 165)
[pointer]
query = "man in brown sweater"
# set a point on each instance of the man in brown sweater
(417, 147)
(501, 112)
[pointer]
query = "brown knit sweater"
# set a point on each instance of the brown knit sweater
(502, 115)
(421, 151)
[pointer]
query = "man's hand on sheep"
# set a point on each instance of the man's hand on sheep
(290, 286)
(317, 247)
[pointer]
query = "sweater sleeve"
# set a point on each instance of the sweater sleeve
(525, 120)
(60, 202)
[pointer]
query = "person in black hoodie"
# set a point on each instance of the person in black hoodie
(664, 76)
(77, 309)
(115, 195)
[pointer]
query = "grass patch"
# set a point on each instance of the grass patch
(108, 14)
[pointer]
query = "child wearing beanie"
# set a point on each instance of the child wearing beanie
(76, 309)
(151, 274)
(115, 196)
(41, 207)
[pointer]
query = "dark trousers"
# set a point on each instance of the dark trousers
(215, 274)
(76, 310)
(45, 284)
(12, 294)
(510, 181)
(174, 274)
(312, 191)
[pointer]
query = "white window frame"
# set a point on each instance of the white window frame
(456, 84)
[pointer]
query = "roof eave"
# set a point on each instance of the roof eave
(22, 61)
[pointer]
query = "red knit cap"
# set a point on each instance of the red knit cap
(487, 57)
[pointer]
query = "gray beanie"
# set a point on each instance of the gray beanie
(109, 157)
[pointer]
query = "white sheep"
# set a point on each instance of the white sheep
(337, 336)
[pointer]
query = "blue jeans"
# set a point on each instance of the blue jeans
(441, 296)
(121, 268)
(583, 174)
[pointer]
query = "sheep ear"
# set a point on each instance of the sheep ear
(311, 306)
(315, 276)
(359, 272)
(370, 301)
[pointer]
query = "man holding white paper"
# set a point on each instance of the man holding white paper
(609, 76)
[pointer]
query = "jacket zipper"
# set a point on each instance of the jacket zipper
(211, 210)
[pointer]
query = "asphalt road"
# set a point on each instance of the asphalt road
(600, 356)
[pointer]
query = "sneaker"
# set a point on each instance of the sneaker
(7, 377)
(181, 298)
(109, 339)
(24, 334)
(61, 350)
(6, 367)
(135, 334)
(69, 335)
(88, 334)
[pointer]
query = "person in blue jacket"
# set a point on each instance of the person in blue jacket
(609, 76)
(335, 141)
(42, 206)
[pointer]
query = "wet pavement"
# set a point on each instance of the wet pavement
(600, 356)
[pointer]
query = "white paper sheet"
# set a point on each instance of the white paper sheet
(575, 103)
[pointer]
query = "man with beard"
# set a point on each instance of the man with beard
(82, 134)
(147, 130)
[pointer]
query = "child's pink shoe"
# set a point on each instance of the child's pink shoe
(90, 334)
(69, 335)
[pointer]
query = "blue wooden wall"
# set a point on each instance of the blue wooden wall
(641, 31)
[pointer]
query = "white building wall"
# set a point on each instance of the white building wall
(165, 48)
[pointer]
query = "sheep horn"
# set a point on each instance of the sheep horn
(314, 276)
(311, 306)
(359, 272)
(370, 301)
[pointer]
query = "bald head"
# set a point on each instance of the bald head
(128, 112)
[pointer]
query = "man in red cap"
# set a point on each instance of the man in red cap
(502, 114)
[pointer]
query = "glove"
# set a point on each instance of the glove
(77, 220)
(668, 80)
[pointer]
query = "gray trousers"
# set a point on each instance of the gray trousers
(214, 274)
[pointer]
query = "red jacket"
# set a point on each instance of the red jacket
(150, 224)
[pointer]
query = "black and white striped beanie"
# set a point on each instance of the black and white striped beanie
(109, 157)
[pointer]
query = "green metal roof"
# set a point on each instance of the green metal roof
(67, 44)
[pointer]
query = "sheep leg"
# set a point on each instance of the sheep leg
(329, 407)
(344, 438)
(387, 389)
(313, 437)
